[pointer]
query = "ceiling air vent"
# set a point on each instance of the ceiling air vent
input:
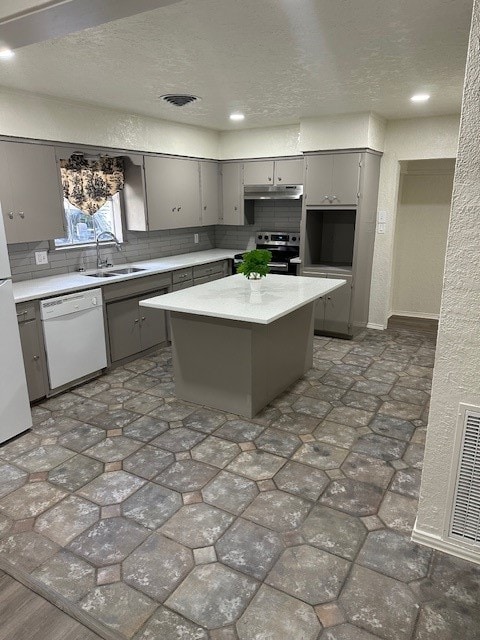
(465, 520)
(178, 99)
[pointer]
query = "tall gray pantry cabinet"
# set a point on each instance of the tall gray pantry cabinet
(338, 233)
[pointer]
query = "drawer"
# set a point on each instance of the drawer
(210, 278)
(203, 270)
(182, 285)
(182, 275)
(128, 288)
(26, 311)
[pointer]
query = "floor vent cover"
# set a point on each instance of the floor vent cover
(465, 522)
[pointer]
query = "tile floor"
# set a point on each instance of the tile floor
(162, 519)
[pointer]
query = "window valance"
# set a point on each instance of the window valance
(88, 183)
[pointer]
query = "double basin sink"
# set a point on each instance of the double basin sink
(114, 272)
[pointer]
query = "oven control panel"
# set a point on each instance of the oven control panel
(278, 238)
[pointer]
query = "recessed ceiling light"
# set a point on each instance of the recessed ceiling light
(420, 97)
(237, 116)
(6, 54)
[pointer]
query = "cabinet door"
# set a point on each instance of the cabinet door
(152, 323)
(232, 194)
(345, 181)
(210, 190)
(6, 196)
(258, 172)
(36, 193)
(123, 319)
(289, 171)
(173, 193)
(337, 309)
(34, 360)
(319, 176)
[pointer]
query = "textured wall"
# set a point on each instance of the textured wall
(457, 369)
(30, 116)
(421, 237)
(254, 143)
(415, 139)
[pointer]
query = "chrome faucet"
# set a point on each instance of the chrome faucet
(101, 264)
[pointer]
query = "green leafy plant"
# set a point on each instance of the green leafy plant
(255, 264)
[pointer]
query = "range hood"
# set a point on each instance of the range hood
(270, 192)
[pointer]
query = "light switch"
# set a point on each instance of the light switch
(41, 257)
(382, 216)
(381, 227)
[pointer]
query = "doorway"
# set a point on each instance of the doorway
(423, 214)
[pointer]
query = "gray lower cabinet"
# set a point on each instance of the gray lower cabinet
(132, 328)
(333, 310)
(33, 351)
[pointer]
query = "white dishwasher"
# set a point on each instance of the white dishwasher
(74, 333)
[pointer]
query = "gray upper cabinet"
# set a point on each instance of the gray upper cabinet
(173, 193)
(275, 172)
(210, 192)
(332, 179)
(258, 172)
(289, 171)
(31, 194)
(233, 211)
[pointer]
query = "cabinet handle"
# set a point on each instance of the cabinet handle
(22, 313)
(136, 320)
(279, 178)
(329, 297)
(334, 198)
(21, 214)
(10, 215)
(269, 179)
(205, 208)
(143, 318)
(36, 357)
(174, 209)
(179, 208)
(326, 197)
(235, 208)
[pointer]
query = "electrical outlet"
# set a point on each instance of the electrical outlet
(195, 238)
(41, 257)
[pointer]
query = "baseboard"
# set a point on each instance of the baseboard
(378, 327)
(415, 314)
(447, 546)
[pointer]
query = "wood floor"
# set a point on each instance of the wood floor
(24, 615)
(414, 324)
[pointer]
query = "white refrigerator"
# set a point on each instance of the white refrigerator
(15, 415)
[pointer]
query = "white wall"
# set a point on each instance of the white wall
(256, 143)
(30, 116)
(413, 139)
(457, 366)
(421, 237)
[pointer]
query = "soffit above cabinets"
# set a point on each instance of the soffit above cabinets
(276, 61)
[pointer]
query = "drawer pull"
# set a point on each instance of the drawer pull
(10, 215)
(22, 313)
(36, 358)
(21, 214)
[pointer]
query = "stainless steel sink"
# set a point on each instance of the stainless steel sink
(126, 270)
(101, 274)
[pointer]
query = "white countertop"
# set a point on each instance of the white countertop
(232, 298)
(67, 282)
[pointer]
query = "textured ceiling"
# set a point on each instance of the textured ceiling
(278, 61)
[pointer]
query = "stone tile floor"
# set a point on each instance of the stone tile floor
(162, 519)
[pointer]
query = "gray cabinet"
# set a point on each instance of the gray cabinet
(274, 172)
(209, 272)
(332, 179)
(173, 193)
(132, 328)
(235, 211)
(210, 192)
(32, 201)
(33, 351)
(332, 311)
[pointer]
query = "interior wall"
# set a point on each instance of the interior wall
(412, 139)
(30, 116)
(421, 231)
(457, 366)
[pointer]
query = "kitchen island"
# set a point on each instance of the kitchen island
(237, 348)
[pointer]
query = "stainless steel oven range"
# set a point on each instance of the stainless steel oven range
(284, 247)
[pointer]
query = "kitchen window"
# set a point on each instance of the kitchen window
(82, 229)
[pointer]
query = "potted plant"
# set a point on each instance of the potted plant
(255, 264)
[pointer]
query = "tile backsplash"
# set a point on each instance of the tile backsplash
(274, 215)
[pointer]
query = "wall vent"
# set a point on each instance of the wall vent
(465, 520)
